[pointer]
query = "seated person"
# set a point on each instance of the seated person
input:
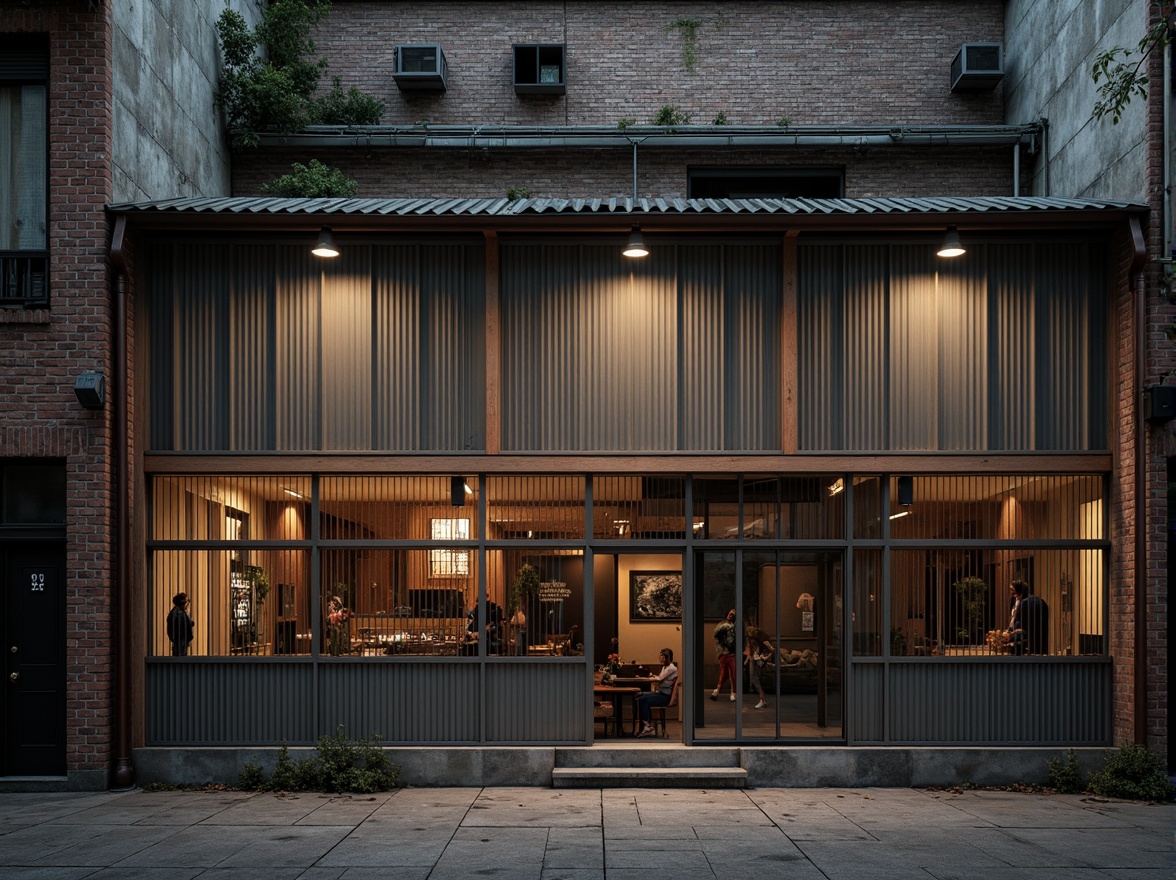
(1029, 624)
(494, 621)
(660, 696)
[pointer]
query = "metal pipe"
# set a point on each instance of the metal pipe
(1138, 266)
(634, 170)
(123, 773)
(683, 137)
(1016, 170)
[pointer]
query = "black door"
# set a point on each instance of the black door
(34, 659)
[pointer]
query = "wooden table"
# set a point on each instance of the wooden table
(614, 693)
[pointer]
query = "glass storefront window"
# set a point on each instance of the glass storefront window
(1017, 507)
(958, 602)
(639, 508)
(539, 594)
(397, 508)
(866, 622)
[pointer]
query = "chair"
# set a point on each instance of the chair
(659, 712)
(603, 711)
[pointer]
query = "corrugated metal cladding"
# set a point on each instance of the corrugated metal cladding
(268, 702)
(678, 351)
(1005, 349)
(1056, 703)
(264, 347)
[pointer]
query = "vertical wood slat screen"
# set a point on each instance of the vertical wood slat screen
(1004, 350)
(676, 352)
(262, 347)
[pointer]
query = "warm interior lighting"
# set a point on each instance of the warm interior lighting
(900, 514)
(636, 246)
(325, 246)
(294, 494)
(837, 487)
(951, 246)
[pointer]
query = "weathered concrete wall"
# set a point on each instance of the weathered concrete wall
(169, 140)
(1050, 49)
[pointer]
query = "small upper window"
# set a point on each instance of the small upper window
(24, 74)
(757, 182)
(539, 70)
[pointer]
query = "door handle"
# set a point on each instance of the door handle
(13, 676)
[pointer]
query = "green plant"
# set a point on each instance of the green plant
(1119, 76)
(256, 575)
(352, 107)
(720, 119)
(625, 121)
(688, 28)
(1132, 772)
(311, 181)
(269, 75)
(525, 586)
(1066, 776)
(973, 592)
(354, 765)
(518, 192)
(252, 778)
(783, 122)
(670, 115)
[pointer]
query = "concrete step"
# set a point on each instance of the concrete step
(648, 777)
(651, 753)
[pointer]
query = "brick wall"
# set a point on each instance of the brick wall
(603, 173)
(812, 61)
(42, 352)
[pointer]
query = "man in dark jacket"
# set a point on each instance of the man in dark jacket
(180, 625)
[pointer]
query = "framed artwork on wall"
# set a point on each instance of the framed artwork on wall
(655, 596)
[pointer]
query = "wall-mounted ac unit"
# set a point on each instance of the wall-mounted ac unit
(420, 67)
(540, 69)
(977, 67)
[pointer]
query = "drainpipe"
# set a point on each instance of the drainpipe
(1016, 170)
(123, 774)
(1138, 263)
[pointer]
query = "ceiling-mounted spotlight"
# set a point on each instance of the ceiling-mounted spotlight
(951, 247)
(325, 246)
(636, 246)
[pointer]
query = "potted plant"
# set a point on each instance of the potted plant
(522, 593)
(973, 593)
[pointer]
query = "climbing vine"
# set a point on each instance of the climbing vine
(688, 30)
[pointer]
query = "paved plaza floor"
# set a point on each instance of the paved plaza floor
(591, 834)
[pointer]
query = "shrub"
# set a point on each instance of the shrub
(720, 119)
(311, 181)
(518, 192)
(1066, 776)
(671, 115)
(273, 89)
(341, 765)
(1134, 773)
(252, 778)
(625, 121)
(352, 107)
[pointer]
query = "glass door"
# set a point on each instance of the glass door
(769, 657)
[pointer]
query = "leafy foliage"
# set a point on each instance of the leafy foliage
(720, 119)
(1134, 773)
(1066, 776)
(670, 115)
(625, 121)
(1120, 74)
(312, 181)
(517, 192)
(270, 74)
(352, 107)
(341, 765)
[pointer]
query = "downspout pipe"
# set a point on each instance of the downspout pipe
(123, 772)
(1138, 264)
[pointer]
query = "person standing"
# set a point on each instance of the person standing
(180, 625)
(725, 648)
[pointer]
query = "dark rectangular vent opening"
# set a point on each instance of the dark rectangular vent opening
(420, 67)
(539, 70)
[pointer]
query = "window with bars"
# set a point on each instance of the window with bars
(24, 159)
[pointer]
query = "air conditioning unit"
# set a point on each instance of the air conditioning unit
(420, 68)
(977, 67)
(540, 69)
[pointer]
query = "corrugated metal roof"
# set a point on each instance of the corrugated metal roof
(638, 207)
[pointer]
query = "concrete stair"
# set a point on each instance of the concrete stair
(647, 768)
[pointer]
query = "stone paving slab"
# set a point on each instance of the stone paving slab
(585, 834)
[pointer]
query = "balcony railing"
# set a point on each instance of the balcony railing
(24, 279)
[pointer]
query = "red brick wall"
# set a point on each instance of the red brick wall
(42, 352)
(812, 61)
